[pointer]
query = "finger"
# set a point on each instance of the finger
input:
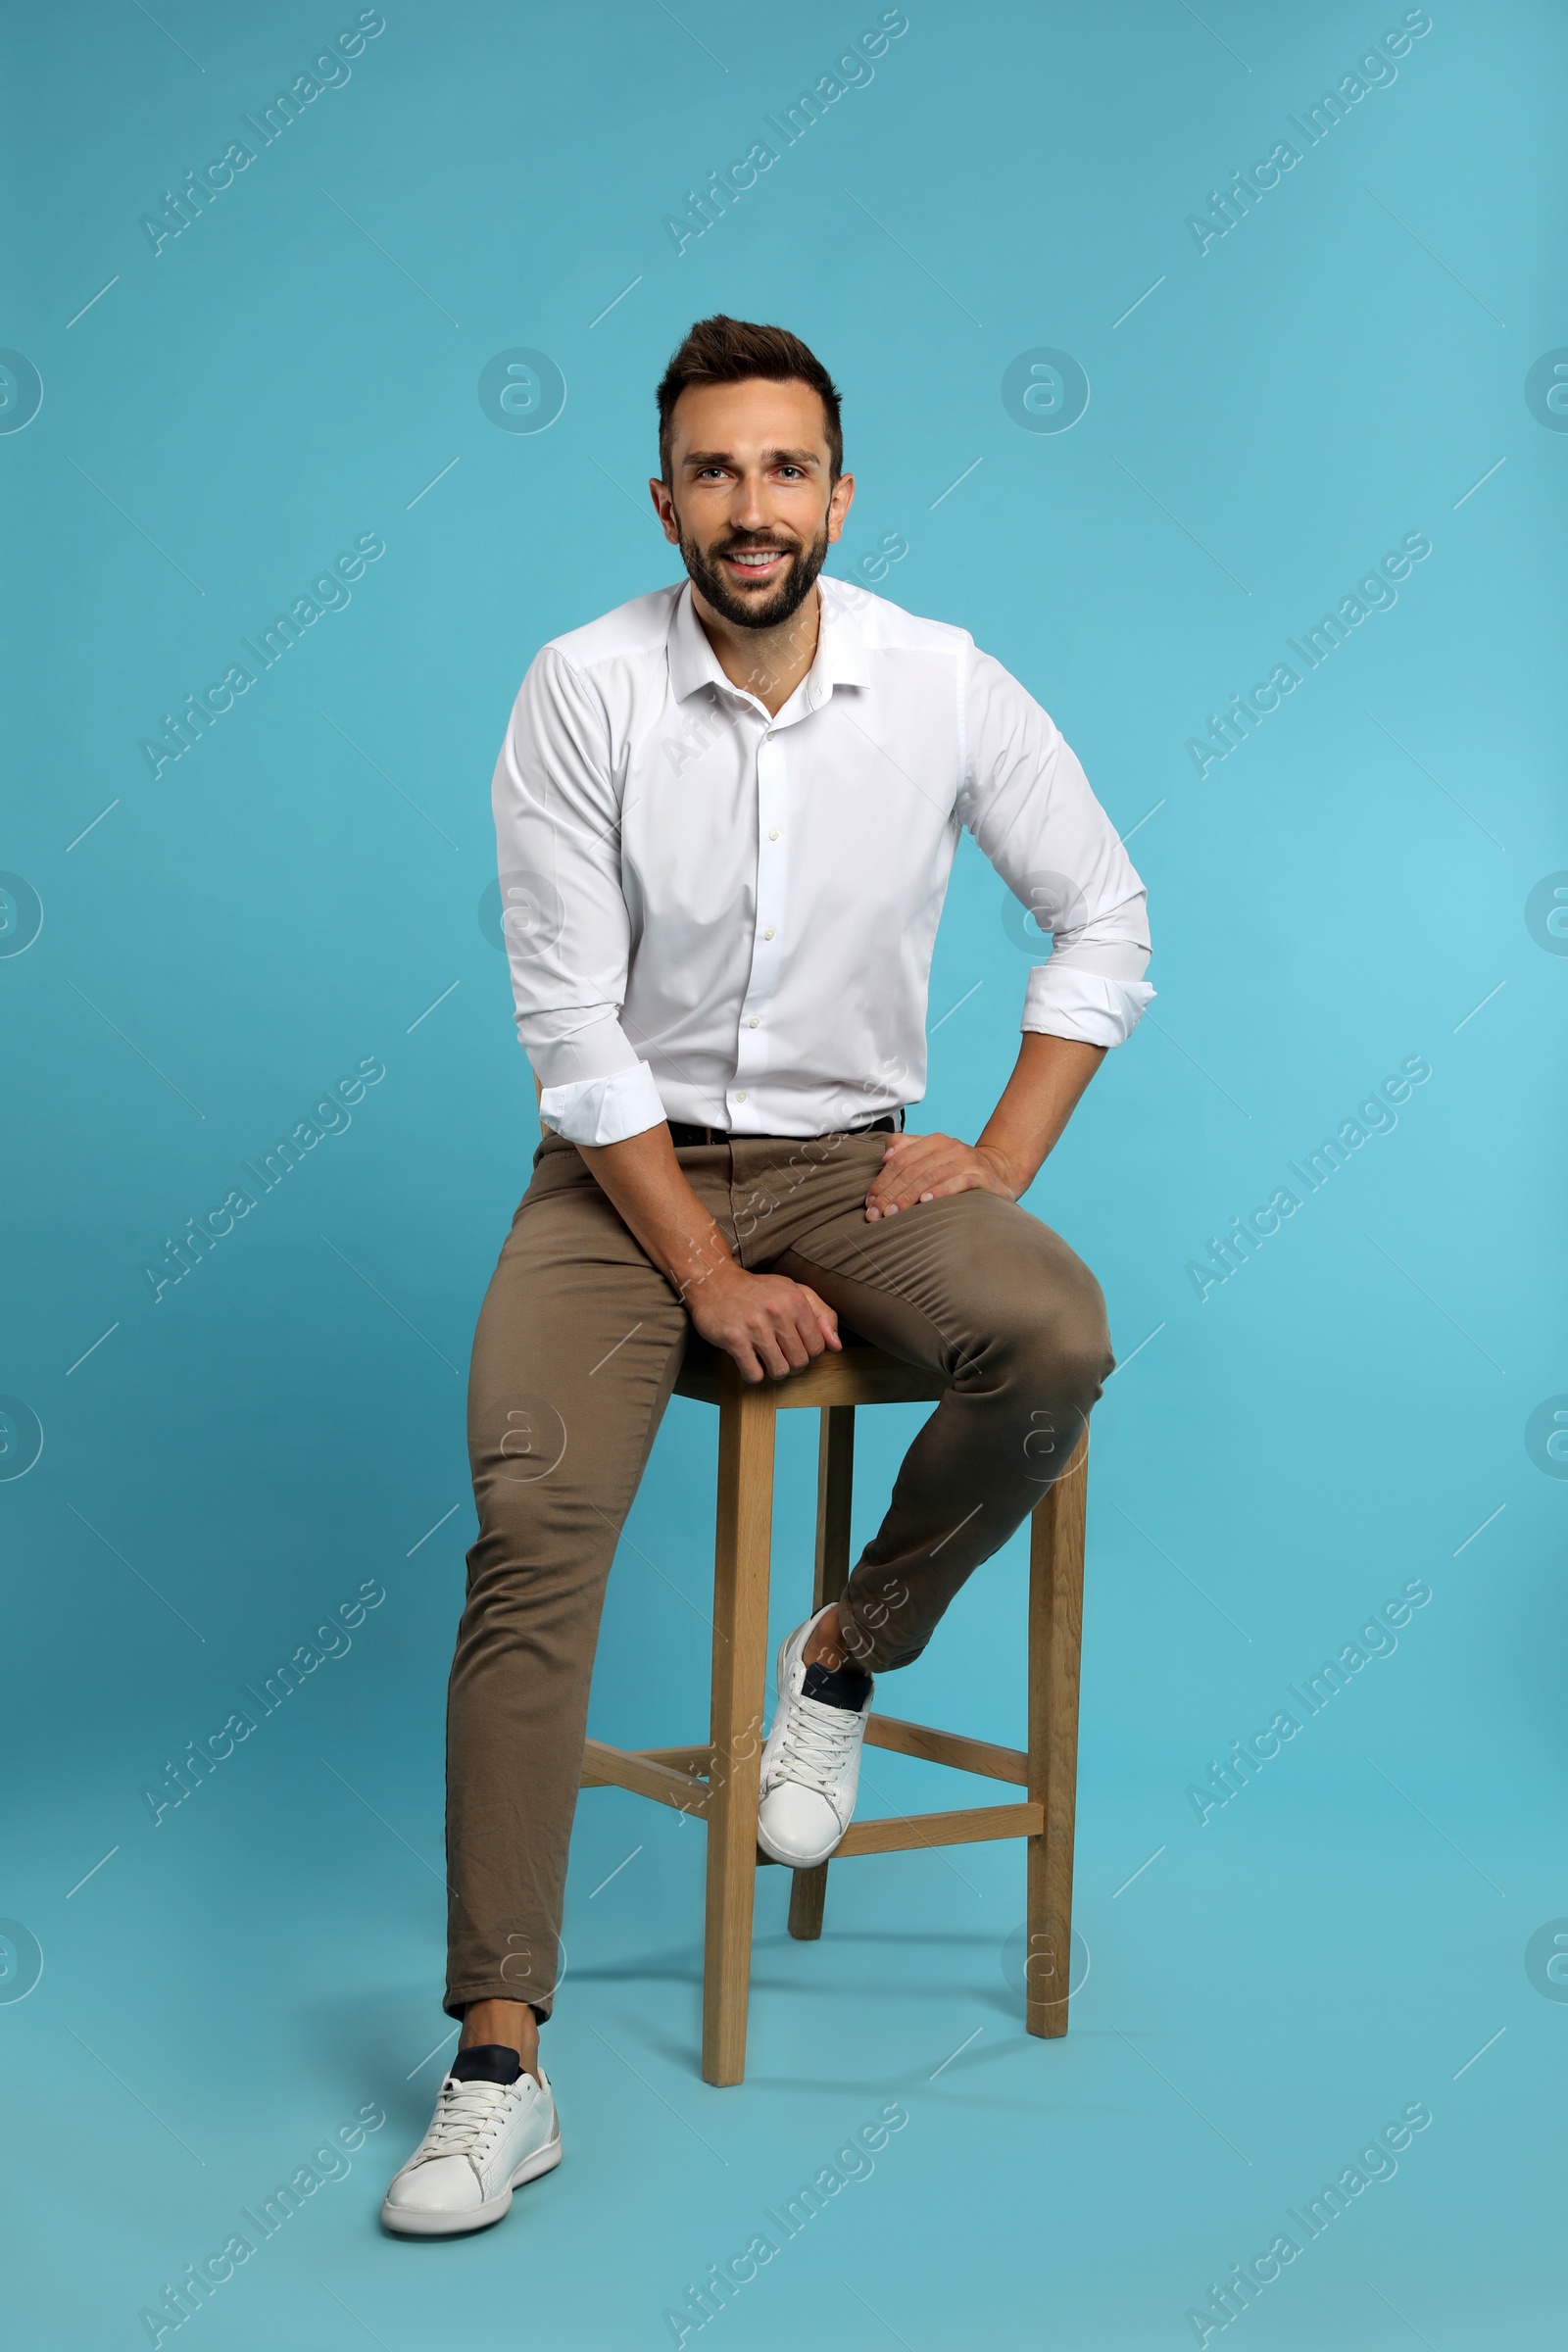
(943, 1187)
(773, 1346)
(890, 1183)
(802, 1326)
(808, 1332)
(828, 1319)
(940, 1188)
(927, 1182)
(903, 1184)
(818, 1323)
(890, 1203)
(914, 1147)
(744, 1359)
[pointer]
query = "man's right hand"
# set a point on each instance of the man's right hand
(768, 1325)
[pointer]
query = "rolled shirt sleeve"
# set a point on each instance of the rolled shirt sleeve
(564, 915)
(1027, 802)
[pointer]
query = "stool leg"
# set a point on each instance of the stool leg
(740, 1663)
(1056, 1623)
(835, 1481)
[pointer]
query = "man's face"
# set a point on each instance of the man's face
(750, 503)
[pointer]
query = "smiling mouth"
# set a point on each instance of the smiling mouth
(756, 563)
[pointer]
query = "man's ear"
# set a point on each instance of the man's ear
(658, 492)
(839, 504)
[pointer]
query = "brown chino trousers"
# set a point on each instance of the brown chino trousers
(578, 1346)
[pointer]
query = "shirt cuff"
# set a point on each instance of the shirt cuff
(602, 1110)
(1087, 1006)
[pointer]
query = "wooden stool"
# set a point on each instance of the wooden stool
(719, 1782)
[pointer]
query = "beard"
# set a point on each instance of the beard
(702, 565)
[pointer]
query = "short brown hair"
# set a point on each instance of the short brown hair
(727, 351)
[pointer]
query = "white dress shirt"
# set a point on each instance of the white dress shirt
(727, 919)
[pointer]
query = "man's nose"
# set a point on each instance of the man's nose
(749, 510)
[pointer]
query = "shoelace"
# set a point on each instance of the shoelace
(469, 2117)
(818, 1744)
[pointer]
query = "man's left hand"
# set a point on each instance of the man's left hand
(927, 1167)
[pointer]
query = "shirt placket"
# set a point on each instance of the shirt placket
(754, 1042)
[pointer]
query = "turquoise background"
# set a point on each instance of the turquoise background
(302, 891)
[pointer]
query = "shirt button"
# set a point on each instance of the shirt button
(769, 933)
(773, 832)
(753, 1022)
(740, 1094)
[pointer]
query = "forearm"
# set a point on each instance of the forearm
(768, 1325)
(645, 1184)
(1039, 1098)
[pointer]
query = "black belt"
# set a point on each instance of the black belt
(685, 1137)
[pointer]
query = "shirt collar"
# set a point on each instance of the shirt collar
(839, 648)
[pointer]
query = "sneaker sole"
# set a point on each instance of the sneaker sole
(407, 2221)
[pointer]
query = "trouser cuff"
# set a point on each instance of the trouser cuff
(493, 1988)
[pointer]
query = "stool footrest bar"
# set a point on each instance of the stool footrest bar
(695, 1761)
(949, 1747)
(605, 1767)
(907, 1832)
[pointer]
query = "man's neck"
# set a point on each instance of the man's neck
(768, 663)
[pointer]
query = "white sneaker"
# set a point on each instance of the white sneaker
(812, 1762)
(485, 2139)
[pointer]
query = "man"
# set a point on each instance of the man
(726, 815)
